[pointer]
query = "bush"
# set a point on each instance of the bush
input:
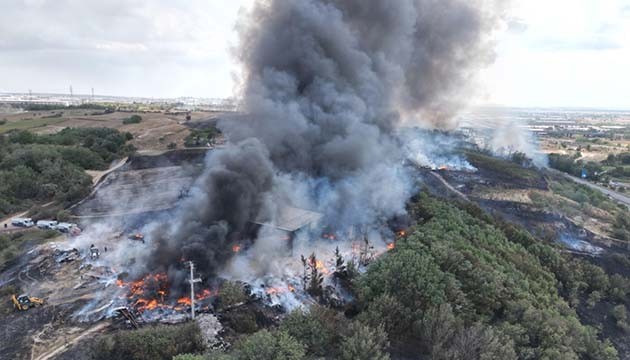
(319, 329)
(364, 343)
(201, 137)
(189, 357)
(230, 294)
(620, 315)
(265, 345)
(150, 343)
(133, 119)
(243, 322)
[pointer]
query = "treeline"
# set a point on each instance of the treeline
(51, 107)
(40, 168)
(570, 165)
(618, 160)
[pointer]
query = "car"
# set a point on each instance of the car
(47, 224)
(65, 227)
(22, 222)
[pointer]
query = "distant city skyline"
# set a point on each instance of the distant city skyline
(565, 53)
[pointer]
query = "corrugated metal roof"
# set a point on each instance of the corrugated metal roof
(291, 219)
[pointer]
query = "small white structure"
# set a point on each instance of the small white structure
(22, 222)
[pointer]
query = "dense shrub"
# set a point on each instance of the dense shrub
(133, 119)
(201, 137)
(40, 168)
(150, 343)
(459, 268)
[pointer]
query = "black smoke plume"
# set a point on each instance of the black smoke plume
(325, 84)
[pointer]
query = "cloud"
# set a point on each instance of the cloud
(57, 39)
(516, 25)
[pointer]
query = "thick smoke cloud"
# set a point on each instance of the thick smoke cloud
(325, 85)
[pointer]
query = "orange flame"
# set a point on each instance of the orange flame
(391, 246)
(279, 290)
(319, 265)
(236, 248)
(184, 301)
(204, 294)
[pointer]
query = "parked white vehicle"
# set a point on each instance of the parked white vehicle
(65, 227)
(47, 224)
(22, 222)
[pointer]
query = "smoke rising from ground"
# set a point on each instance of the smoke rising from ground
(325, 84)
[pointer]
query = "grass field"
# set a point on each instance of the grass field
(156, 131)
(28, 124)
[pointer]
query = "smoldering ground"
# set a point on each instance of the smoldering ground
(324, 85)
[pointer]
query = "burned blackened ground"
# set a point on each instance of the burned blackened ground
(145, 184)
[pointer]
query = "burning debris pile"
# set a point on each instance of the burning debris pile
(152, 294)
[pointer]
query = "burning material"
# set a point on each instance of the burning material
(152, 293)
(137, 237)
(63, 256)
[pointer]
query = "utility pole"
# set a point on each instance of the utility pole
(192, 282)
(92, 94)
(71, 94)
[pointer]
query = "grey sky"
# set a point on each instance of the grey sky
(560, 52)
(125, 47)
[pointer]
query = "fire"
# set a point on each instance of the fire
(152, 292)
(319, 265)
(329, 236)
(391, 246)
(236, 248)
(184, 301)
(279, 290)
(443, 168)
(204, 294)
(402, 233)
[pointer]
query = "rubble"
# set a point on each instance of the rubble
(63, 256)
(210, 329)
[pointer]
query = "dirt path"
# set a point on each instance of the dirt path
(98, 175)
(7, 221)
(449, 186)
(68, 343)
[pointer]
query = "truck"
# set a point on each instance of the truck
(47, 224)
(22, 222)
(24, 302)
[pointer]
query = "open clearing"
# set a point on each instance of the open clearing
(156, 131)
